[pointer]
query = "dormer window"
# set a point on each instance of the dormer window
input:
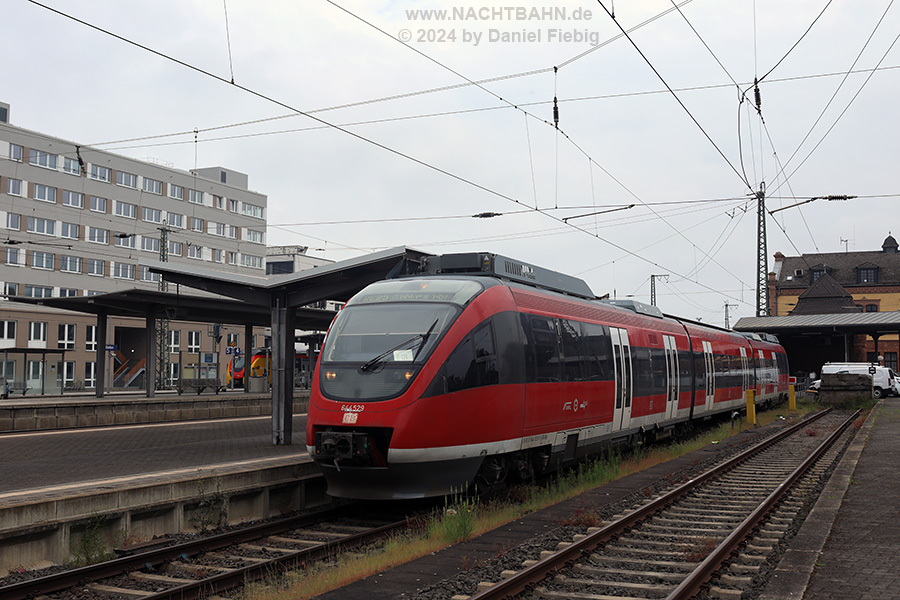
(867, 275)
(815, 274)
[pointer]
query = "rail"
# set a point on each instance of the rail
(526, 579)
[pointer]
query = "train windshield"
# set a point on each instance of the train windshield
(381, 339)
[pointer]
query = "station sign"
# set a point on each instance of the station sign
(235, 351)
(112, 347)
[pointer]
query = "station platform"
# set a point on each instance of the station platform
(136, 481)
(29, 413)
(849, 545)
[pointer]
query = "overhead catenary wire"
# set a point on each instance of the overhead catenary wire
(677, 99)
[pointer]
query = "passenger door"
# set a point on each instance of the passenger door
(745, 375)
(710, 363)
(672, 376)
(622, 366)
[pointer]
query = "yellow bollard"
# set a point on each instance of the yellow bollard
(792, 398)
(751, 407)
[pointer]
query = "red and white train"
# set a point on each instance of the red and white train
(480, 368)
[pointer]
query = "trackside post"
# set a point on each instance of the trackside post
(751, 407)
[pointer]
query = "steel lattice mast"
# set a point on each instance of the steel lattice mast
(162, 323)
(762, 259)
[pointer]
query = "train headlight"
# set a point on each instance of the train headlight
(330, 375)
(408, 375)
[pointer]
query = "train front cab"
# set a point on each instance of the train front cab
(415, 412)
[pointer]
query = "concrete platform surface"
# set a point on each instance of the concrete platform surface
(47, 459)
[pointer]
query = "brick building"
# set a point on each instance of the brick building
(840, 283)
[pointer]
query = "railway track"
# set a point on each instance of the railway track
(709, 537)
(208, 566)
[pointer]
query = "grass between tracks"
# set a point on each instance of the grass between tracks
(465, 518)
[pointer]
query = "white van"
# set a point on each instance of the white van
(884, 382)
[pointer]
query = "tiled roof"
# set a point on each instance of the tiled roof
(842, 266)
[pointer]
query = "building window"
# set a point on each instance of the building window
(96, 267)
(71, 166)
(890, 360)
(196, 224)
(98, 204)
(147, 275)
(125, 209)
(174, 373)
(98, 236)
(73, 199)
(195, 196)
(176, 191)
(232, 258)
(38, 291)
(122, 271)
(42, 159)
(149, 244)
(69, 230)
(254, 262)
(90, 293)
(15, 153)
(232, 232)
(13, 257)
(37, 331)
(66, 339)
(70, 264)
(100, 173)
(128, 180)
(175, 248)
(214, 228)
(11, 289)
(193, 342)
(256, 237)
(67, 370)
(35, 370)
(125, 240)
(232, 205)
(151, 215)
(90, 374)
(90, 338)
(194, 251)
(44, 193)
(14, 187)
(13, 221)
(67, 292)
(38, 225)
(42, 260)
(152, 186)
(217, 256)
(219, 202)
(175, 220)
(871, 308)
(252, 210)
(174, 341)
(867, 275)
(8, 330)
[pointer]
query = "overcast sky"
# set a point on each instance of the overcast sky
(420, 148)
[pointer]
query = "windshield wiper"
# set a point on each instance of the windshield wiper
(372, 362)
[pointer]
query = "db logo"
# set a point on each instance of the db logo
(350, 418)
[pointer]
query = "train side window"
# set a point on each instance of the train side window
(598, 365)
(485, 355)
(474, 362)
(546, 350)
(572, 349)
(460, 366)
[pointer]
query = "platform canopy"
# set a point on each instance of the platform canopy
(868, 323)
(281, 302)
